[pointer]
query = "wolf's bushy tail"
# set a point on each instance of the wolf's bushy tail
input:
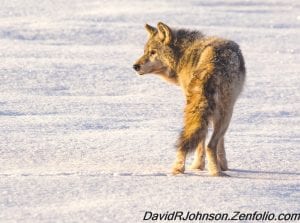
(195, 121)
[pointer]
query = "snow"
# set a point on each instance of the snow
(85, 139)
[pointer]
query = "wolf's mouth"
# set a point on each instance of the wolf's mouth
(140, 73)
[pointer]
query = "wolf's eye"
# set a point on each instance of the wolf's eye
(152, 52)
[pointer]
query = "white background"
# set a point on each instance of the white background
(85, 139)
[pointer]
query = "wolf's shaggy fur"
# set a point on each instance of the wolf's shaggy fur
(211, 73)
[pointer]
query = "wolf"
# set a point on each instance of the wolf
(211, 73)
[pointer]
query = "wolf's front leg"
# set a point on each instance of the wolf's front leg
(179, 164)
(199, 157)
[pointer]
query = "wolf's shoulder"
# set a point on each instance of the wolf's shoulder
(215, 42)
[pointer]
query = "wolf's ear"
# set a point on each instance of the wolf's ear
(151, 30)
(164, 33)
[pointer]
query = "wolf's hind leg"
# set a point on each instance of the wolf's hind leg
(221, 155)
(221, 124)
(199, 157)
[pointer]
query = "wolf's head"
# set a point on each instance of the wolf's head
(159, 53)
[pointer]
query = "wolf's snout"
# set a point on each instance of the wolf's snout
(137, 67)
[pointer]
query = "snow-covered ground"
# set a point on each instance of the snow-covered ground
(84, 139)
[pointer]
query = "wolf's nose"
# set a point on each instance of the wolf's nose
(137, 67)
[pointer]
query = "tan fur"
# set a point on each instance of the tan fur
(199, 157)
(211, 73)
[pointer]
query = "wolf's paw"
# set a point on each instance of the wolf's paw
(219, 174)
(177, 170)
(197, 166)
(223, 164)
(224, 167)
